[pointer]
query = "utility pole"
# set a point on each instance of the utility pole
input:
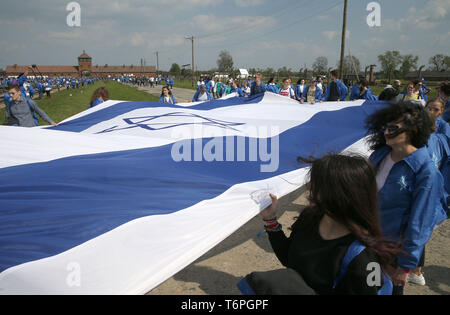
(157, 63)
(344, 30)
(193, 64)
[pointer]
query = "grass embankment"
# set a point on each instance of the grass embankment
(67, 103)
(185, 84)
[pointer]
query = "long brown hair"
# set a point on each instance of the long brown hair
(345, 188)
(100, 92)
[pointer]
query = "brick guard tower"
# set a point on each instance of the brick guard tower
(84, 64)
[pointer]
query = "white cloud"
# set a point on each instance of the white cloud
(333, 34)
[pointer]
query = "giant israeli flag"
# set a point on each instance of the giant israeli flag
(121, 197)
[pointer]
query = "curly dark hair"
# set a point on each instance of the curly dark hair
(415, 120)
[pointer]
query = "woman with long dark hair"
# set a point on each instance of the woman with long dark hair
(411, 192)
(99, 96)
(343, 209)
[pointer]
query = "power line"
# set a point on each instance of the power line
(283, 28)
(279, 13)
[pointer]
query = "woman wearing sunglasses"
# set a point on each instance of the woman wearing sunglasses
(411, 192)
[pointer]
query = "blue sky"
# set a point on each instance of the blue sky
(257, 33)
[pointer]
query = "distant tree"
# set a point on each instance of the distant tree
(409, 63)
(284, 72)
(439, 62)
(175, 69)
(269, 72)
(390, 61)
(225, 62)
(320, 66)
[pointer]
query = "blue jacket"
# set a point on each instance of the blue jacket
(239, 92)
(368, 95)
(439, 149)
(318, 96)
(161, 99)
(442, 127)
(298, 93)
(22, 79)
(263, 88)
(98, 101)
(342, 91)
(197, 94)
(272, 88)
(39, 86)
(412, 202)
(356, 91)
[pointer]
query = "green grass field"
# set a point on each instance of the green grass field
(185, 84)
(62, 105)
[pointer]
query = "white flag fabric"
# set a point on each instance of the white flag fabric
(119, 198)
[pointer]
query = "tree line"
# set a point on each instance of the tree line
(392, 64)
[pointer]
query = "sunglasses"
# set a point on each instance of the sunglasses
(391, 129)
(12, 93)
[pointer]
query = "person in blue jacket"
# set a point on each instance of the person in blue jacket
(167, 96)
(99, 96)
(444, 96)
(355, 91)
(39, 88)
(436, 109)
(312, 94)
(366, 92)
(411, 189)
(337, 91)
(258, 85)
(301, 86)
(236, 89)
(24, 80)
(271, 87)
(424, 89)
(202, 95)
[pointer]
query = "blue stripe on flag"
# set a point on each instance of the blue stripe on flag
(48, 208)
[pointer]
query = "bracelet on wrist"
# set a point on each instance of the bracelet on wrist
(272, 225)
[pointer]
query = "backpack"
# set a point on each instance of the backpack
(354, 250)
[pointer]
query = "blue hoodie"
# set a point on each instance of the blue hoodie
(258, 90)
(22, 79)
(197, 95)
(272, 88)
(342, 91)
(162, 99)
(368, 96)
(355, 93)
(412, 202)
(98, 101)
(239, 92)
